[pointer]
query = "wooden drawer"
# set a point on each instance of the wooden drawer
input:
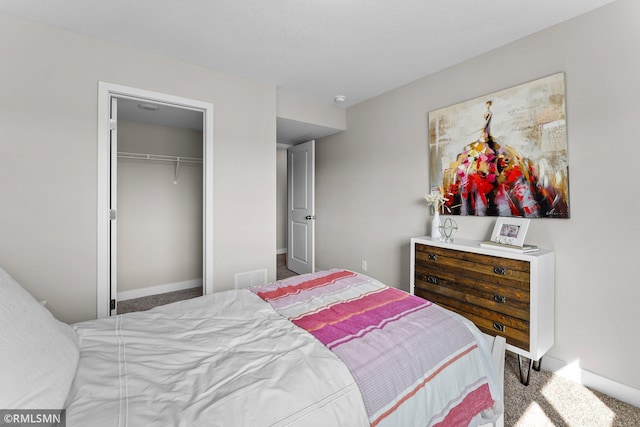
(512, 301)
(502, 271)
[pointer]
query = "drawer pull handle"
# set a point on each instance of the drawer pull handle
(432, 279)
(498, 326)
(499, 298)
(433, 257)
(499, 270)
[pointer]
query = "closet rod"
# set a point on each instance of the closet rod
(159, 157)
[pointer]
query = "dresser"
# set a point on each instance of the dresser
(504, 293)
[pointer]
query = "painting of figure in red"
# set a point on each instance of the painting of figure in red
(516, 165)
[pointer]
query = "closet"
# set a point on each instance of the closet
(159, 199)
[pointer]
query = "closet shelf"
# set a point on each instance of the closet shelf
(158, 157)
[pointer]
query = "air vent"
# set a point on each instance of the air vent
(250, 278)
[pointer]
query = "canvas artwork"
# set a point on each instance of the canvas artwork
(503, 154)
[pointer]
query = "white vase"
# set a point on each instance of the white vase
(435, 225)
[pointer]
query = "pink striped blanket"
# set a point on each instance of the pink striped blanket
(414, 362)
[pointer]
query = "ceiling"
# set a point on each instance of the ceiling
(313, 48)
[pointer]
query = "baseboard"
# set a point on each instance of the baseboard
(159, 289)
(281, 251)
(573, 372)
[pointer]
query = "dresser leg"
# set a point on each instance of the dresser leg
(529, 363)
(537, 364)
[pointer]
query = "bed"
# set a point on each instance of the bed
(332, 348)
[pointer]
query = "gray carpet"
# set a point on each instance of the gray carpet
(549, 400)
(282, 271)
(146, 303)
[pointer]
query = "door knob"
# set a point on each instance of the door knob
(310, 217)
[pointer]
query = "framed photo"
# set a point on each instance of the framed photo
(510, 231)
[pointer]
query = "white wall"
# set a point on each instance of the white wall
(371, 180)
(159, 220)
(48, 156)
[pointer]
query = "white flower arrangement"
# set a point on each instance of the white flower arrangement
(436, 200)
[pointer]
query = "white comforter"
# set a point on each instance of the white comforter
(218, 360)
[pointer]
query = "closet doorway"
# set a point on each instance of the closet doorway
(155, 181)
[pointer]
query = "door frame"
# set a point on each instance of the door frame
(106, 91)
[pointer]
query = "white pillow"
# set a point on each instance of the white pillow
(38, 354)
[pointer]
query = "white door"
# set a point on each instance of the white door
(301, 208)
(113, 205)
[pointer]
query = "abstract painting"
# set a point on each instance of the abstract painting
(503, 154)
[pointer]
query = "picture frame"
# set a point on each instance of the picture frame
(510, 231)
(504, 154)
